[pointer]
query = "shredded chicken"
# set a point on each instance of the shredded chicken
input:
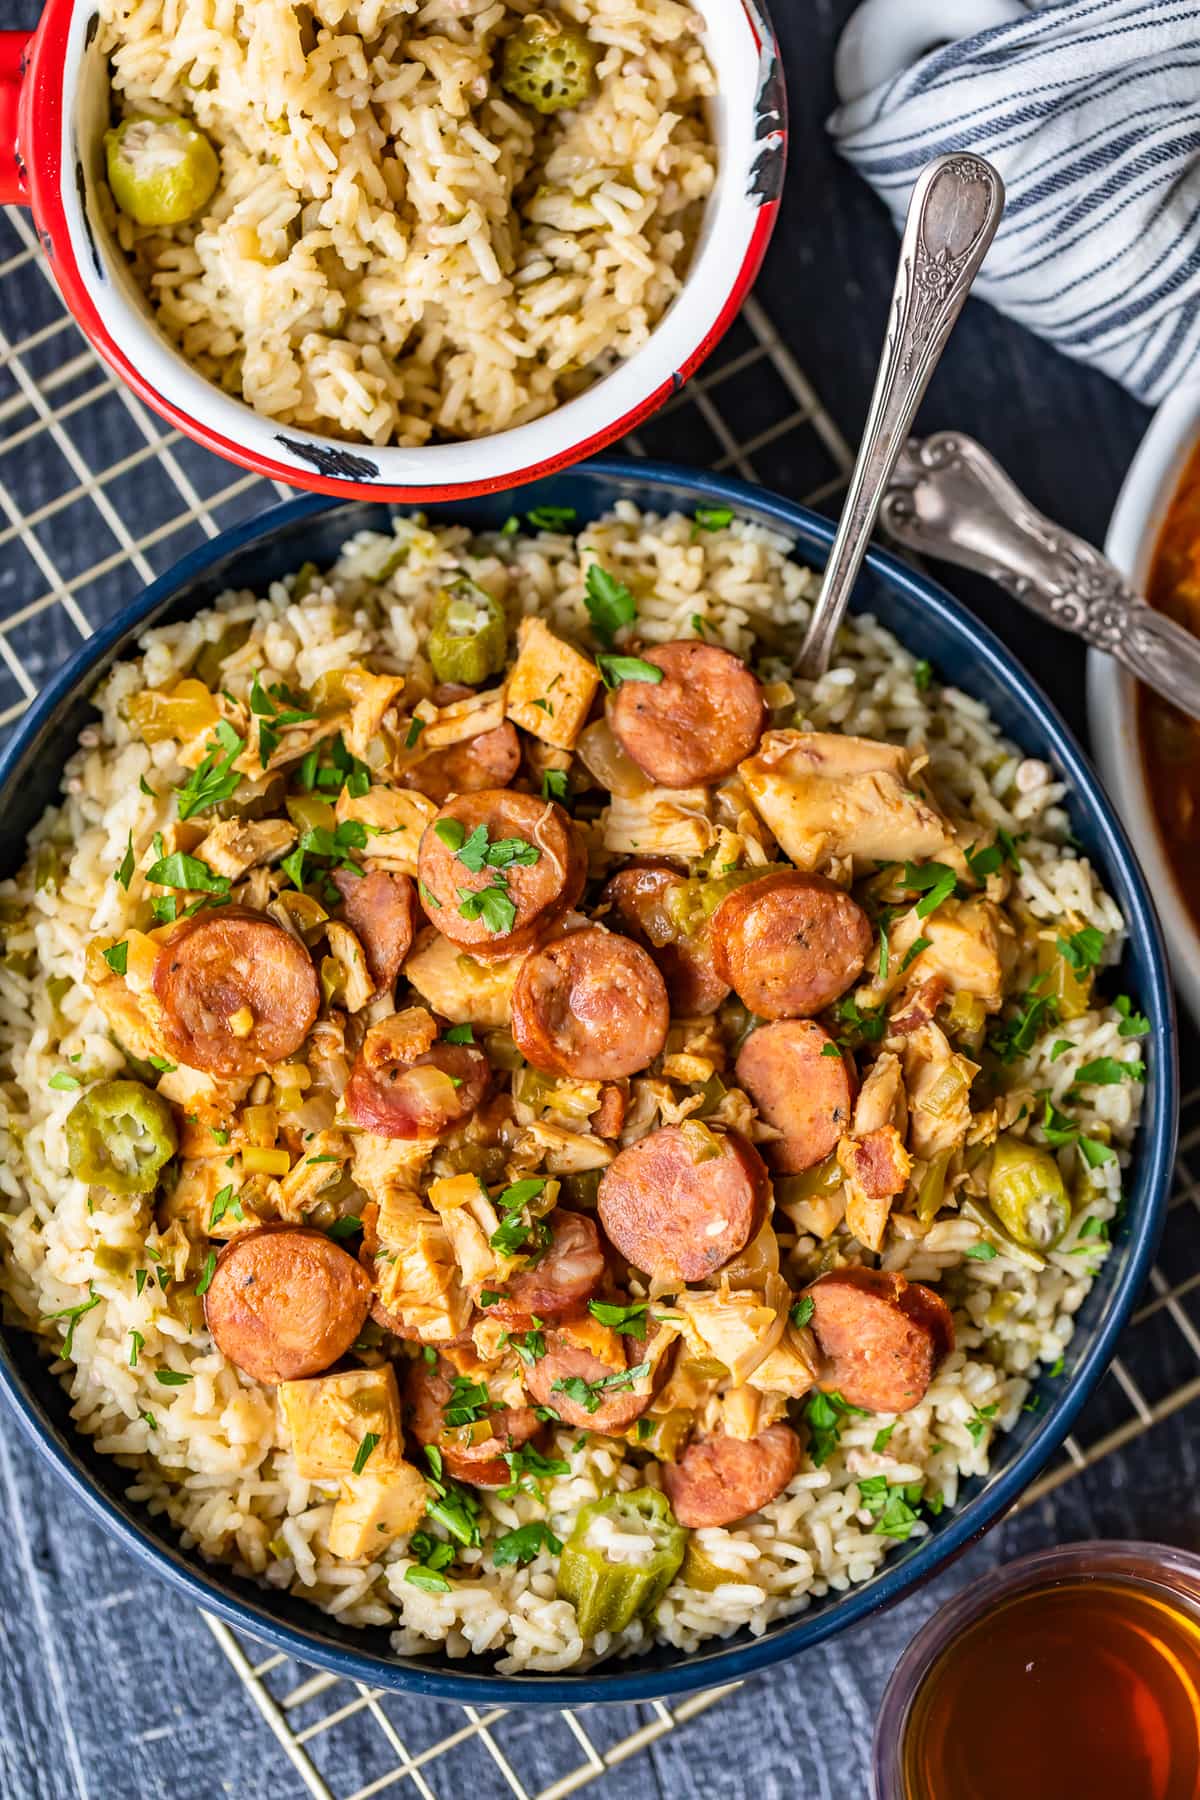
(938, 1080)
(824, 795)
(661, 822)
(395, 819)
(235, 845)
(551, 685)
(459, 988)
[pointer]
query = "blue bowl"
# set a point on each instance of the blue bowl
(931, 624)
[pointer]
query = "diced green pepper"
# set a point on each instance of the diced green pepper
(468, 638)
(1027, 1193)
(547, 64)
(581, 1190)
(161, 171)
(608, 1595)
(119, 1135)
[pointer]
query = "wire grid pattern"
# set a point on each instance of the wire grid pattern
(97, 497)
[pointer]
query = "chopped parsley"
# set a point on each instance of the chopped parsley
(589, 1394)
(935, 883)
(523, 1544)
(363, 1454)
(414, 732)
(73, 1314)
(711, 518)
(222, 1203)
(1133, 1024)
(187, 872)
(550, 518)
(139, 1279)
(922, 675)
(206, 1274)
(802, 1312)
(883, 1438)
(145, 788)
(992, 857)
(459, 1034)
(609, 603)
(171, 1378)
(428, 1579)
(117, 958)
(554, 785)
(980, 1421)
(616, 669)
(825, 1415)
(530, 1346)
(215, 779)
(344, 1227)
(526, 1467)
(137, 1344)
(630, 1320)
(1061, 1046)
(1083, 950)
(64, 1081)
(453, 1507)
(893, 1508)
(468, 1403)
(430, 899)
(494, 905)
(1036, 1010)
(123, 873)
(981, 1252)
(275, 708)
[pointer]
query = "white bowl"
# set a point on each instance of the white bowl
(1133, 533)
(54, 99)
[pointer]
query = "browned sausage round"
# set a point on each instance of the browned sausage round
(473, 1452)
(639, 894)
(572, 1355)
(487, 761)
(237, 991)
(563, 1279)
(421, 1099)
(540, 891)
(790, 944)
(801, 1084)
(285, 1302)
(590, 1004)
(719, 1480)
(881, 1336)
(381, 910)
(694, 725)
(677, 1211)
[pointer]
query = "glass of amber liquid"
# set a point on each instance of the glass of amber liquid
(1074, 1672)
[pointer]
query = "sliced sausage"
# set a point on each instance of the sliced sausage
(487, 761)
(563, 1279)
(719, 1480)
(590, 1004)
(880, 1335)
(425, 1098)
(801, 1084)
(790, 944)
(590, 1353)
(541, 891)
(238, 992)
(285, 1302)
(381, 910)
(608, 1120)
(697, 723)
(676, 1210)
(472, 1452)
(639, 895)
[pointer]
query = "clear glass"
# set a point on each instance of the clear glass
(1174, 1574)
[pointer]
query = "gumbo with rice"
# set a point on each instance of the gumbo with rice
(404, 220)
(531, 1126)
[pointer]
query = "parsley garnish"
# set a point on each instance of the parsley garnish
(453, 1507)
(363, 1454)
(523, 1544)
(222, 1203)
(73, 1314)
(137, 1344)
(630, 1320)
(609, 603)
(145, 788)
(825, 1415)
(491, 904)
(883, 1438)
(526, 1468)
(981, 1252)
(550, 518)
(1082, 951)
(469, 1401)
(1133, 1024)
(802, 1312)
(429, 1579)
(922, 675)
(123, 873)
(711, 518)
(933, 881)
(171, 1378)
(206, 1275)
(554, 785)
(214, 780)
(981, 1420)
(616, 669)
(459, 1034)
(1105, 1071)
(187, 872)
(117, 958)
(588, 1394)
(64, 1082)
(344, 1227)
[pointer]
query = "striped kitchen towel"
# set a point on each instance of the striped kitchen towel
(1090, 110)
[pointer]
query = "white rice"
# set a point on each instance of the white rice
(210, 1454)
(397, 249)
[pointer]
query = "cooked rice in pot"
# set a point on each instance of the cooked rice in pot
(398, 250)
(204, 1446)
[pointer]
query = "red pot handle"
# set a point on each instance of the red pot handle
(14, 188)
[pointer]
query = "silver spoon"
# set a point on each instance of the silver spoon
(952, 218)
(950, 499)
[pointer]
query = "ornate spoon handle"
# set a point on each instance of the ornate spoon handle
(948, 498)
(952, 218)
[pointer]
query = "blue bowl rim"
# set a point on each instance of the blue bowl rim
(709, 1667)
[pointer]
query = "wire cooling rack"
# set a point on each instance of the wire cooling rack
(98, 496)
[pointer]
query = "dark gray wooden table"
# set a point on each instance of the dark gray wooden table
(110, 1686)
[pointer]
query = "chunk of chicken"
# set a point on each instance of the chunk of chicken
(972, 947)
(938, 1080)
(661, 822)
(322, 1164)
(371, 697)
(414, 1271)
(467, 717)
(872, 1155)
(465, 1208)
(826, 796)
(192, 1201)
(355, 986)
(739, 1327)
(389, 1169)
(551, 687)
(373, 1510)
(328, 1418)
(395, 819)
(459, 988)
(562, 1151)
(234, 846)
